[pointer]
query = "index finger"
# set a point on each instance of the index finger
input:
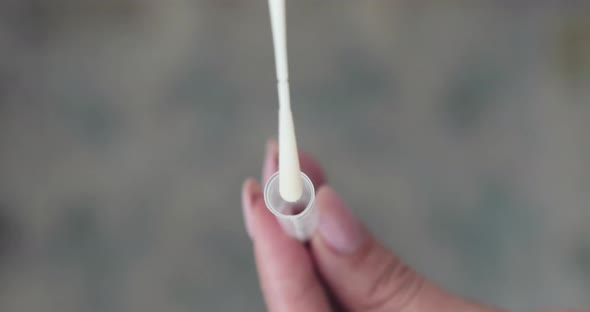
(285, 269)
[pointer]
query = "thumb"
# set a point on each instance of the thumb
(364, 275)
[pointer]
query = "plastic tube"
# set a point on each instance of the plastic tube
(298, 219)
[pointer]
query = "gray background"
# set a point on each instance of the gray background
(457, 130)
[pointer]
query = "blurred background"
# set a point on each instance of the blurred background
(457, 130)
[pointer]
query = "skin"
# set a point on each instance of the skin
(343, 267)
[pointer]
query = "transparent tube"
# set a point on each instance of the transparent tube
(299, 219)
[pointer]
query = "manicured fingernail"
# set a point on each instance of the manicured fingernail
(271, 159)
(338, 227)
(250, 194)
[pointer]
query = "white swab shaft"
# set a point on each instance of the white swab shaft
(279, 36)
(290, 185)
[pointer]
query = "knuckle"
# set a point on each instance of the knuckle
(394, 288)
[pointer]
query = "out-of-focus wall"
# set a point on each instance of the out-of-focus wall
(457, 130)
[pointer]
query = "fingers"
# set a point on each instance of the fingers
(308, 164)
(363, 274)
(285, 268)
(271, 160)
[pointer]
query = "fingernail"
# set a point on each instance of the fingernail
(250, 194)
(271, 159)
(338, 227)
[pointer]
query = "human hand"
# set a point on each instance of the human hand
(342, 268)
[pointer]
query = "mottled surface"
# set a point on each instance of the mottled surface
(457, 130)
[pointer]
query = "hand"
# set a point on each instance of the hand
(342, 267)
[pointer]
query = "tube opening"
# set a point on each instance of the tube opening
(285, 209)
